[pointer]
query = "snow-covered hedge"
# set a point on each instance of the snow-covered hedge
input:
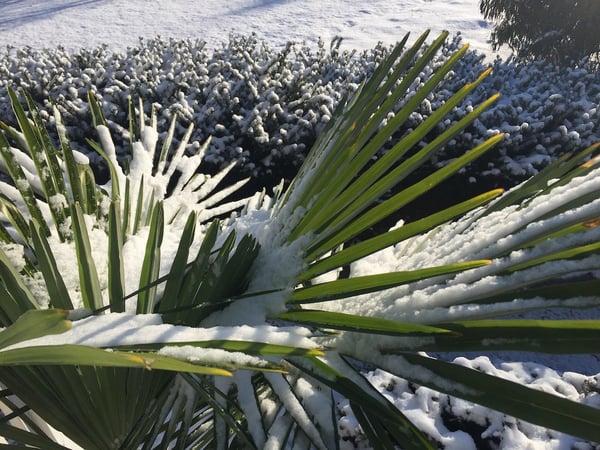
(488, 262)
(456, 424)
(263, 106)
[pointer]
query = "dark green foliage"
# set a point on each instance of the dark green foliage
(250, 98)
(264, 106)
(561, 31)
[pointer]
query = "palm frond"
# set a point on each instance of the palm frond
(217, 307)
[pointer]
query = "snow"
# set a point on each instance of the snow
(75, 24)
(248, 403)
(430, 410)
(215, 356)
(117, 329)
(120, 23)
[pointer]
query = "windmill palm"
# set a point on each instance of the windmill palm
(240, 332)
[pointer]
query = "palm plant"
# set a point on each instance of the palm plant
(185, 329)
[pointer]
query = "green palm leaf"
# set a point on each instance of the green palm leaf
(43, 154)
(57, 290)
(151, 264)
(88, 275)
(116, 275)
(345, 288)
(33, 324)
(546, 336)
(24, 187)
(502, 395)
(272, 375)
(31, 440)
(17, 297)
(79, 355)
(364, 248)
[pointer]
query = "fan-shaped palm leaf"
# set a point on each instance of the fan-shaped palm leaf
(233, 295)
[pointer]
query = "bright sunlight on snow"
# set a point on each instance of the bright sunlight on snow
(120, 23)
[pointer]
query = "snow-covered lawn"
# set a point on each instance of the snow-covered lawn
(119, 23)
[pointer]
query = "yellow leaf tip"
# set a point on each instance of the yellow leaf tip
(592, 223)
(591, 162)
(139, 360)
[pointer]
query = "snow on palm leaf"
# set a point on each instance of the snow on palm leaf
(132, 195)
(259, 291)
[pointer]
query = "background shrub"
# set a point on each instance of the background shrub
(264, 105)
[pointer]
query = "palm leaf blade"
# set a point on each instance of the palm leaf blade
(400, 199)
(68, 354)
(57, 291)
(506, 396)
(542, 336)
(369, 246)
(364, 324)
(88, 276)
(151, 264)
(116, 275)
(343, 288)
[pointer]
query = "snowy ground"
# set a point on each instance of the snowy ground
(120, 23)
